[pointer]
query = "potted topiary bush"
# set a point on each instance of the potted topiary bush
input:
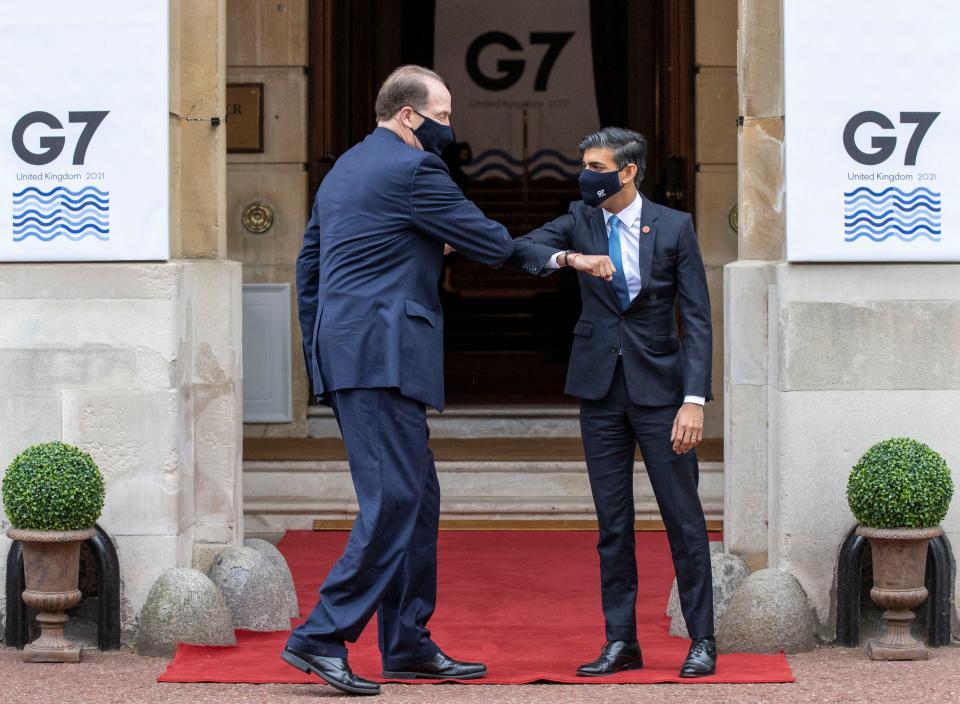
(899, 491)
(52, 494)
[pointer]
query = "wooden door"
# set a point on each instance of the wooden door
(508, 335)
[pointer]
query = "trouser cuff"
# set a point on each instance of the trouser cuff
(325, 649)
(403, 661)
(621, 634)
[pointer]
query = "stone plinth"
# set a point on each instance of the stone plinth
(139, 365)
(824, 361)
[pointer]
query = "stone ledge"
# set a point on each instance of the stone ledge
(90, 281)
(341, 466)
(474, 507)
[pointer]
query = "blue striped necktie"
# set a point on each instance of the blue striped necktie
(619, 278)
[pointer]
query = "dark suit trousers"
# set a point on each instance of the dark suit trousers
(390, 561)
(612, 428)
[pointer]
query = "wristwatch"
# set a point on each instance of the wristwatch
(566, 255)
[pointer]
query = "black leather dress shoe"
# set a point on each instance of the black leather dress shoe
(334, 671)
(617, 655)
(701, 660)
(439, 667)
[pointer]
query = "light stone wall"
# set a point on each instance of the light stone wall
(715, 53)
(822, 360)
(139, 365)
(268, 43)
(862, 354)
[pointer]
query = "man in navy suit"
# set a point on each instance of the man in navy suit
(639, 382)
(373, 334)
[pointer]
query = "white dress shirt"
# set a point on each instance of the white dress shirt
(630, 254)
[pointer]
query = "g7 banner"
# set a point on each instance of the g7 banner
(84, 121)
(504, 59)
(872, 130)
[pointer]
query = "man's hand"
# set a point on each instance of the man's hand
(687, 428)
(598, 265)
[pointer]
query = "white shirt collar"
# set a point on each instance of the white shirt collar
(629, 215)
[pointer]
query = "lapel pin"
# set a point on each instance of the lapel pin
(646, 229)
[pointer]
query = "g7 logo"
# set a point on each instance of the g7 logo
(53, 146)
(512, 69)
(884, 146)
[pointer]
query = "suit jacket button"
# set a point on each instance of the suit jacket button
(613, 348)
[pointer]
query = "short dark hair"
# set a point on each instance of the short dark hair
(628, 147)
(407, 85)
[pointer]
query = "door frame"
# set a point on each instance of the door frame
(348, 54)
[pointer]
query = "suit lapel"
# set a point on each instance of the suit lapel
(648, 219)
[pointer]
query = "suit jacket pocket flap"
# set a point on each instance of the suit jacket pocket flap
(418, 310)
(583, 328)
(664, 343)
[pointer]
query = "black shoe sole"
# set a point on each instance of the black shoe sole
(625, 668)
(304, 666)
(390, 675)
(695, 675)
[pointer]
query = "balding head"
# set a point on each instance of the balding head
(410, 86)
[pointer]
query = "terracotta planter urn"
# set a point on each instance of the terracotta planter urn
(899, 572)
(51, 566)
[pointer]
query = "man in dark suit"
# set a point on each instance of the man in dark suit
(373, 334)
(638, 382)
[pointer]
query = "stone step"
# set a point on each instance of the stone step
(475, 422)
(284, 495)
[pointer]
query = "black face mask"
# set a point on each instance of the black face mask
(596, 186)
(433, 136)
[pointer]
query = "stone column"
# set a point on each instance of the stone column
(198, 151)
(761, 237)
(715, 51)
(198, 187)
(139, 363)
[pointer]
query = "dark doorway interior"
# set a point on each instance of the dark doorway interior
(508, 335)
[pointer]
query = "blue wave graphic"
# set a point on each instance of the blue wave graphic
(61, 212)
(500, 163)
(891, 189)
(74, 230)
(892, 212)
(891, 199)
(489, 168)
(897, 206)
(78, 208)
(850, 211)
(862, 201)
(544, 168)
(895, 220)
(901, 230)
(888, 235)
(44, 237)
(58, 217)
(34, 200)
(60, 189)
(489, 154)
(49, 213)
(53, 221)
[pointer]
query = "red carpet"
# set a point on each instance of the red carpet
(525, 602)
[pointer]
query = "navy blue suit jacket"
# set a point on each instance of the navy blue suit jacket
(368, 271)
(659, 367)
